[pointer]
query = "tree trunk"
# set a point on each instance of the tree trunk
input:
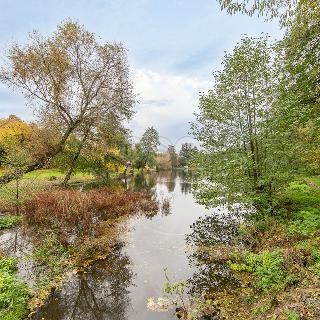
(71, 168)
(74, 160)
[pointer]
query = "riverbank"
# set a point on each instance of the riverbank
(66, 230)
(279, 269)
(270, 270)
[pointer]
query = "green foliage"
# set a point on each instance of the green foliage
(260, 129)
(9, 221)
(311, 249)
(301, 196)
(267, 267)
(7, 264)
(307, 222)
(14, 293)
(297, 106)
(292, 315)
(145, 150)
(304, 201)
(233, 126)
(282, 9)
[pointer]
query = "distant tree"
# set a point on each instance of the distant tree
(145, 150)
(72, 82)
(186, 152)
(163, 161)
(173, 156)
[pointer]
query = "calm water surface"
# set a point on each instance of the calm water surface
(118, 287)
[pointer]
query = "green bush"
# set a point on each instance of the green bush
(267, 267)
(9, 221)
(14, 293)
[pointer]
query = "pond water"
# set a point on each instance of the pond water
(118, 287)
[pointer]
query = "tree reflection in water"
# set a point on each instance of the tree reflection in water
(99, 293)
(209, 231)
(171, 180)
(185, 187)
(143, 182)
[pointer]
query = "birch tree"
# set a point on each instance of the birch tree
(233, 123)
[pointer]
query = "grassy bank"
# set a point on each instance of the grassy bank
(13, 195)
(274, 262)
(279, 271)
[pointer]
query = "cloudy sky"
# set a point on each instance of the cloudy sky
(173, 48)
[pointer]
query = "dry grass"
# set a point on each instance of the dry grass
(73, 210)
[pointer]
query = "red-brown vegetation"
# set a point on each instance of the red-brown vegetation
(79, 212)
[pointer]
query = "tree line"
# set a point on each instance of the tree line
(259, 125)
(82, 96)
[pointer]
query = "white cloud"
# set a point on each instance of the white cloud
(166, 102)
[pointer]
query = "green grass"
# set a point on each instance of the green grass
(14, 293)
(9, 221)
(304, 201)
(37, 181)
(49, 173)
(301, 196)
(306, 222)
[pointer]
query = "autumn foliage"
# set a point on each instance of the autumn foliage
(76, 211)
(19, 139)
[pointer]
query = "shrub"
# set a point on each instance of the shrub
(267, 267)
(14, 293)
(76, 211)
